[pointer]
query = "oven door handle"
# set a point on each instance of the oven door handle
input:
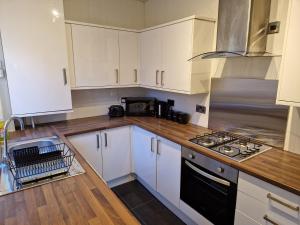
(211, 177)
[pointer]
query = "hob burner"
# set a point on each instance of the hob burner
(229, 145)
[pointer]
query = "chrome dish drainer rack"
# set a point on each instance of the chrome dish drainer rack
(33, 164)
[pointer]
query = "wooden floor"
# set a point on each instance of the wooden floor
(83, 199)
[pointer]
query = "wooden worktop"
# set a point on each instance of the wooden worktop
(275, 166)
(86, 199)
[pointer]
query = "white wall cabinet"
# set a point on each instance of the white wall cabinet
(34, 44)
(108, 151)
(144, 155)
(168, 170)
(258, 202)
(157, 162)
(165, 51)
(151, 58)
(96, 56)
(116, 152)
(289, 79)
(129, 58)
(89, 146)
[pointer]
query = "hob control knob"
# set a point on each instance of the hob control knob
(220, 170)
(191, 156)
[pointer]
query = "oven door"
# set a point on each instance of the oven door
(209, 194)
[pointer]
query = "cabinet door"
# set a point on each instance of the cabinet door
(150, 47)
(116, 152)
(34, 43)
(129, 58)
(168, 170)
(144, 155)
(96, 56)
(176, 50)
(89, 146)
(290, 69)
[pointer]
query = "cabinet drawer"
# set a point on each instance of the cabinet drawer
(242, 219)
(257, 210)
(257, 198)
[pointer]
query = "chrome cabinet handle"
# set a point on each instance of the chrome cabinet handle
(117, 76)
(135, 76)
(98, 141)
(65, 76)
(157, 147)
(156, 78)
(295, 208)
(151, 147)
(211, 177)
(105, 139)
(266, 218)
(162, 78)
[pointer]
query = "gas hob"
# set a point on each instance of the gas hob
(230, 145)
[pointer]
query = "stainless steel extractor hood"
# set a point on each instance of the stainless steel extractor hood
(242, 29)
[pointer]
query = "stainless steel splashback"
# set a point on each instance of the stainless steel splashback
(247, 107)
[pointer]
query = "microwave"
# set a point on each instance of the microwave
(139, 106)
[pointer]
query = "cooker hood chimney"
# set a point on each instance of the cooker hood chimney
(242, 29)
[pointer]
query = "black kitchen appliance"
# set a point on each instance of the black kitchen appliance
(161, 109)
(182, 118)
(116, 111)
(209, 187)
(139, 106)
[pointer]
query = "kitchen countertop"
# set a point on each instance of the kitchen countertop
(85, 199)
(275, 166)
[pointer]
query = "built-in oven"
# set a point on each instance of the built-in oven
(209, 187)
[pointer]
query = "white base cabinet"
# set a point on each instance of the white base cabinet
(259, 202)
(144, 155)
(157, 162)
(168, 170)
(108, 151)
(116, 153)
(88, 145)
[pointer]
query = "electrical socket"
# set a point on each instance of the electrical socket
(201, 109)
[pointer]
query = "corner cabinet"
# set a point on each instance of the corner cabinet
(156, 58)
(165, 51)
(34, 45)
(102, 57)
(289, 80)
(108, 152)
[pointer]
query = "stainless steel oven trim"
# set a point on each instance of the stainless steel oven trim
(227, 172)
(211, 177)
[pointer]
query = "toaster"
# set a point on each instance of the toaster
(116, 111)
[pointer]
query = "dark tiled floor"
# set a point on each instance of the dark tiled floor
(144, 205)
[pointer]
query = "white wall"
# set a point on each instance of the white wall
(185, 103)
(87, 103)
(120, 13)
(161, 11)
